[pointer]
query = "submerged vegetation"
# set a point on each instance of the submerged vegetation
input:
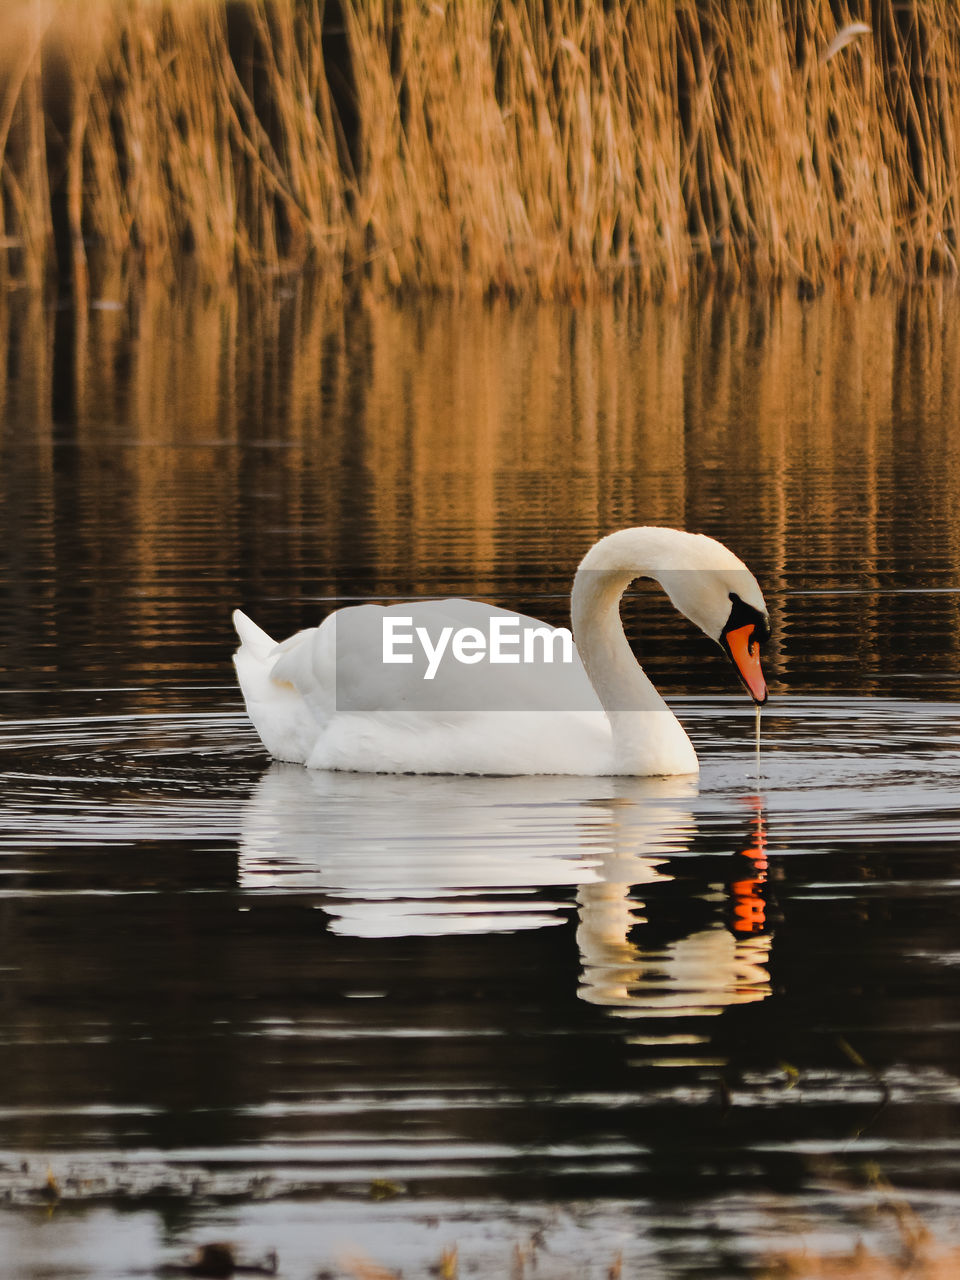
(501, 146)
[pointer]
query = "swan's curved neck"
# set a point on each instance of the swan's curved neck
(653, 741)
(619, 680)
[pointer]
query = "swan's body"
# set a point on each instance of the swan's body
(327, 699)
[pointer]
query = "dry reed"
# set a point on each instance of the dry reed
(496, 146)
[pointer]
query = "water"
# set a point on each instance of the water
(552, 1022)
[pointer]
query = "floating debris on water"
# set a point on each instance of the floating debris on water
(219, 1260)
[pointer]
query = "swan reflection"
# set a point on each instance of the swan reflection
(702, 972)
(399, 855)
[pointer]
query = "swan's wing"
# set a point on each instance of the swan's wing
(344, 664)
(327, 698)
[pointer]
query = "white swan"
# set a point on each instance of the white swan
(327, 697)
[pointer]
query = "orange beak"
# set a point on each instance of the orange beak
(745, 652)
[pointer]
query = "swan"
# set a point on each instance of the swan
(356, 693)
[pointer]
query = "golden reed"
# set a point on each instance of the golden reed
(494, 146)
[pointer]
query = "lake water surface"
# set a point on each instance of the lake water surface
(563, 1025)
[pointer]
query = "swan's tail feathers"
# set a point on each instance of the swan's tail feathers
(253, 637)
(278, 712)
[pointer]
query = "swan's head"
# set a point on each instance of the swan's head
(720, 594)
(703, 579)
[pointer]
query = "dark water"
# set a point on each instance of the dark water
(553, 1022)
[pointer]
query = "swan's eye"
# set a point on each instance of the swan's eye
(741, 615)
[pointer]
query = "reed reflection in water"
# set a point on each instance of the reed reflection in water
(503, 995)
(270, 452)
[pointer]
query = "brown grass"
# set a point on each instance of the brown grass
(930, 1263)
(496, 146)
(917, 1256)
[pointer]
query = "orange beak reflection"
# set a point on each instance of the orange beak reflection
(745, 652)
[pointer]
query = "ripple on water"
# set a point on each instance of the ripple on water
(369, 960)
